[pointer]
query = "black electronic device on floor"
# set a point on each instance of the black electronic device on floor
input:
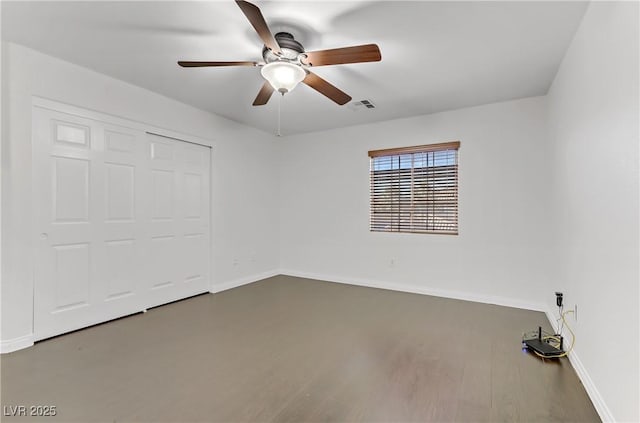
(542, 347)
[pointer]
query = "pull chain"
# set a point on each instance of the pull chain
(279, 107)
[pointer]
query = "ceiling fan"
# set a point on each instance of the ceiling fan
(286, 63)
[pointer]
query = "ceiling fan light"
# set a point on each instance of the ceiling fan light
(283, 76)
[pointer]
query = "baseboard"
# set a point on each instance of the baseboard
(245, 280)
(415, 289)
(15, 344)
(598, 402)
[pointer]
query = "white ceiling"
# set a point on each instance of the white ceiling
(435, 55)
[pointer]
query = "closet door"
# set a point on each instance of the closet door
(88, 215)
(121, 221)
(179, 223)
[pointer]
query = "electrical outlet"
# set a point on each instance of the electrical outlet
(236, 262)
(575, 312)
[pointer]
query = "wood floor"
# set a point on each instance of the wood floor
(294, 350)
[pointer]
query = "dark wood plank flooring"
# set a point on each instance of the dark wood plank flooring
(295, 350)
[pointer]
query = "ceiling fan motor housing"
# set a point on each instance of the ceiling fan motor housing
(291, 48)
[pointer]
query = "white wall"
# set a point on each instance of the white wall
(499, 255)
(593, 125)
(243, 199)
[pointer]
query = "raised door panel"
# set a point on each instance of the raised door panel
(164, 255)
(71, 276)
(119, 141)
(163, 182)
(121, 269)
(192, 195)
(196, 262)
(120, 184)
(71, 133)
(70, 189)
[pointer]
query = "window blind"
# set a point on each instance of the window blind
(415, 189)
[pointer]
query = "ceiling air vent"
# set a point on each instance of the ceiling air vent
(361, 105)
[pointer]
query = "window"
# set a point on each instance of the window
(415, 189)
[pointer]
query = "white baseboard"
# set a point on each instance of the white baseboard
(15, 344)
(598, 402)
(416, 289)
(242, 281)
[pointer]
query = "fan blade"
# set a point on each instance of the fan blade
(264, 95)
(185, 64)
(326, 89)
(340, 56)
(253, 13)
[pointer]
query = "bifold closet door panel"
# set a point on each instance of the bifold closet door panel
(179, 224)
